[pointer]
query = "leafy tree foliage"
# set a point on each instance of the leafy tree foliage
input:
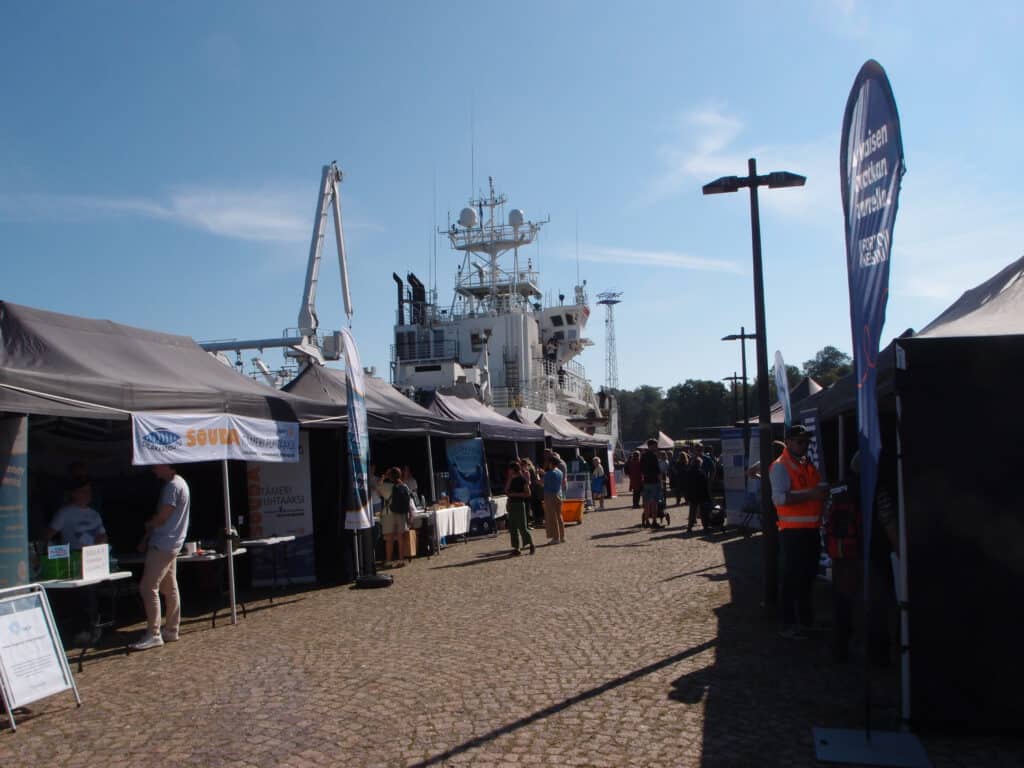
(828, 366)
(704, 403)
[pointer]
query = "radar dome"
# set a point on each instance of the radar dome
(516, 217)
(468, 218)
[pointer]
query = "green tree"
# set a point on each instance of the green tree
(640, 412)
(828, 366)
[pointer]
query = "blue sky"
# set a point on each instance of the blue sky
(159, 163)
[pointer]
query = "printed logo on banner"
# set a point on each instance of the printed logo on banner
(162, 439)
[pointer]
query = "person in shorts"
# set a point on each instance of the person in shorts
(395, 517)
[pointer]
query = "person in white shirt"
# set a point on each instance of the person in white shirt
(77, 522)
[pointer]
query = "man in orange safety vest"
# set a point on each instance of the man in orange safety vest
(798, 494)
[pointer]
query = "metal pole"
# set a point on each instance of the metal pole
(764, 422)
(227, 536)
(430, 467)
(735, 399)
(746, 416)
(901, 579)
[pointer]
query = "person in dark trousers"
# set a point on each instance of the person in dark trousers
(798, 494)
(517, 489)
(844, 536)
(698, 495)
(636, 478)
(678, 475)
(650, 467)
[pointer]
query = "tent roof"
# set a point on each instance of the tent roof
(61, 365)
(387, 409)
(493, 426)
(563, 432)
(994, 308)
(665, 442)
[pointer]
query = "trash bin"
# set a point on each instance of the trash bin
(572, 511)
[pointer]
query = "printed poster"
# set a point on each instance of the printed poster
(13, 501)
(280, 505)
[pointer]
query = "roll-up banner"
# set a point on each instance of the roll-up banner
(467, 474)
(357, 507)
(871, 168)
(13, 501)
(782, 385)
(177, 438)
(280, 505)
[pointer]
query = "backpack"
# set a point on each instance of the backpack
(842, 532)
(398, 504)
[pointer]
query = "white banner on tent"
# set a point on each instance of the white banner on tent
(171, 438)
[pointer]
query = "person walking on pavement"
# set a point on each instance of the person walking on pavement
(553, 495)
(650, 467)
(798, 494)
(517, 489)
(636, 478)
(165, 534)
(599, 482)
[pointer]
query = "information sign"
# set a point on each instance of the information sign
(32, 661)
(95, 561)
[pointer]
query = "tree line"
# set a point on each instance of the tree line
(706, 403)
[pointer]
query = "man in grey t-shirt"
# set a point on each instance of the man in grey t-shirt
(165, 534)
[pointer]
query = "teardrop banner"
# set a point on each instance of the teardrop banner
(871, 167)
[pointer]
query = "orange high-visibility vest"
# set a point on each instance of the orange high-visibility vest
(802, 475)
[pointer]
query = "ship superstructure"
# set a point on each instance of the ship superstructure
(496, 335)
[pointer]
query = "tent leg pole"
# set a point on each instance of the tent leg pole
(358, 560)
(430, 464)
(901, 577)
(227, 536)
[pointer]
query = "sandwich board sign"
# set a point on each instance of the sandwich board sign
(32, 660)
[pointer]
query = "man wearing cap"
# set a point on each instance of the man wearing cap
(798, 494)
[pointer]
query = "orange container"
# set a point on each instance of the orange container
(572, 510)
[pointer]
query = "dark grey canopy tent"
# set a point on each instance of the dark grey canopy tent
(493, 426)
(60, 365)
(387, 410)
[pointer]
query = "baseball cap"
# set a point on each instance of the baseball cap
(798, 431)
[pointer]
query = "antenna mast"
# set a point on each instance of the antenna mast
(611, 364)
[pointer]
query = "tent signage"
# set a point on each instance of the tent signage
(170, 438)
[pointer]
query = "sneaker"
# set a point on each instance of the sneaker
(533, 549)
(148, 641)
(791, 633)
(668, 520)
(169, 637)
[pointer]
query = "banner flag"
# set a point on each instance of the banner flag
(14, 560)
(357, 509)
(183, 438)
(871, 168)
(782, 384)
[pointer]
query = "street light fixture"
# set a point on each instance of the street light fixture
(752, 181)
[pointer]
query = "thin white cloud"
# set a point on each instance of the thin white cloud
(266, 216)
(638, 257)
(707, 146)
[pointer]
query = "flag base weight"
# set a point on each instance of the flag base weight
(374, 581)
(888, 748)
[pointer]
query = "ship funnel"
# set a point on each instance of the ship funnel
(401, 302)
(516, 217)
(468, 218)
(418, 313)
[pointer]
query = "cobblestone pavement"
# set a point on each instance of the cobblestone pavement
(622, 647)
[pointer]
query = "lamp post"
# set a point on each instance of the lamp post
(742, 337)
(764, 422)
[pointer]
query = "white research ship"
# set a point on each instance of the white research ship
(496, 337)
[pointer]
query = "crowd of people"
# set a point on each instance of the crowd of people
(655, 475)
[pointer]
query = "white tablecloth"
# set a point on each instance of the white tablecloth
(499, 506)
(453, 521)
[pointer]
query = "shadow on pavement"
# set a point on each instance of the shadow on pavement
(614, 534)
(693, 573)
(482, 559)
(579, 698)
(763, 694)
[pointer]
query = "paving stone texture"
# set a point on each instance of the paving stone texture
(621, 647)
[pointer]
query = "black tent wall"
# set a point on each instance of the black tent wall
(962, 435)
